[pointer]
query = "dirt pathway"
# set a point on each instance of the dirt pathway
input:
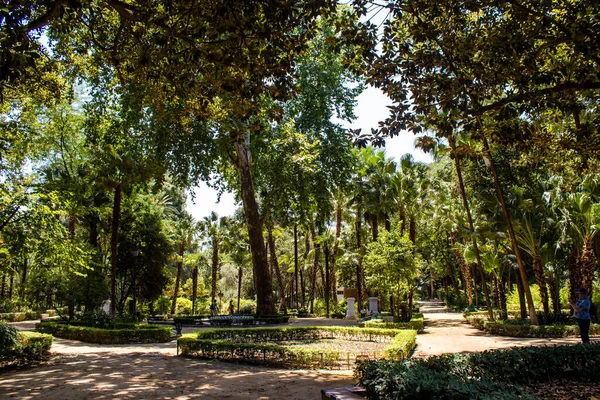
(450, 333)
(150, 371)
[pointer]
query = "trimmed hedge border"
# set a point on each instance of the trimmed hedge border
(492, 374)
(417, 323)
(124, 334)
(542, 331)
(264, 319)
(255, 345)
(24, 316)
(33, 346)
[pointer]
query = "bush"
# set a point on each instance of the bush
(247, 307)
(22, 347)
(257, 345)
(96, 318)
(183, 306)
(162, 305)
(124, 333)
(417, 323)
(523, 328)
(19, 316)
(490, 374)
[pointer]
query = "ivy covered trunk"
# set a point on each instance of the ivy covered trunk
(215, 267)
(262, 279)
(359, 271)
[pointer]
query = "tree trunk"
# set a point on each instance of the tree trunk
(402, 216)
(359, 248)
(540, 279)
(296, 264)
(114, 245)
(511, 234)
(315, 268)
(262, 279)
(239, 294)
(554, 294)
(587, 267)
(463, 195)
(334, 256)
(375, 225)
(521, 296)
(215, 267)
(275, 267)
(11, 285)
(194, 288)
(327, 281)
(177, 280)
(3, 290)
(23, 280)
(465, 271)
(501, 295)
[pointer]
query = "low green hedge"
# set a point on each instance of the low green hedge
(494, 374)
(129, 333)
(29, 347)
(19, 316)
(258, 345)
(505, 328)
(417, 323)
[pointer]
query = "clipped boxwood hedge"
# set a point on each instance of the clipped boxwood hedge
(19, 316)
(491, 374)
(259, 345)
(417, 323)
(131, 333)
(30, 347)
(502, 328)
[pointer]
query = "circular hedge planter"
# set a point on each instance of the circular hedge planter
(267, 345)
(124, 334)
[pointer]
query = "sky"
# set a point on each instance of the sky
(371, 108)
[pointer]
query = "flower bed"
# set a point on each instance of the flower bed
(130, 333)
(417, 323)
(495, 374)
(504, 328)
(275, 346)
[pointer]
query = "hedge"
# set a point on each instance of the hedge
(258, 345)
(265, 319)
(31, 346)
(417, 323)
(502, 328)
(494, 374)
(131, 333)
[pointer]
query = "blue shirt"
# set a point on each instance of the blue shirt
(584, 304)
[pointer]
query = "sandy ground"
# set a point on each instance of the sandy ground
(151, 371)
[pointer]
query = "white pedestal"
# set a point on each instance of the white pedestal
(373, 305)
(350, 314)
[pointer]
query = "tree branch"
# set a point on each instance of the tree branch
(43, 20)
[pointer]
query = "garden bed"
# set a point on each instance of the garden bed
(499, 374)
(29, 347)
(299, 347)
(506, 328)
(129, 333)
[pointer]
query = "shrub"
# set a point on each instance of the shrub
(247, 307)
(163, 305)
(19, 316)
(523, 328)
(125, 333)
(96, 318)
(258, 345)
(22, 347)
(183, 306)
(417, 323)
(491, 374)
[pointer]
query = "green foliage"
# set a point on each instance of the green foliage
(184, 306)
(22, 347)
(96, 318)
(417, 323)
(19, 316)
(522, 328)
(247, 307)
(129, 333)
(256, 345)
(486, 375)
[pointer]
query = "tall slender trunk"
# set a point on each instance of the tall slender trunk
(334, 256)
(359, 248)
(23, 280)
(306, 251)
(587, 267)
(554, 293)
(11, 285)
(540, 279)
(114, 245)
(501, 296)
(327, 281)
(177, 279)
(402, 214)
(375, 225)
(239, 294)
(296, 264)
(262, 278)
(465, 271)
(463, 195)
(521, 293)
(3, 290)
(315, 268)
(275, 266)
(511, 234)
(194, 288)
(215, 267)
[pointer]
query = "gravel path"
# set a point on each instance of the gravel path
(450, 333)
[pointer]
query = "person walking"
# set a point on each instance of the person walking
(213, 307)
(582, 314)
(230, 307)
